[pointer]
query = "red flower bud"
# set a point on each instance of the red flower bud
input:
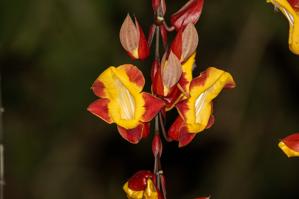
(159, 4)
(189, 13)
(157, 146)
(185, 42)
(133, 39)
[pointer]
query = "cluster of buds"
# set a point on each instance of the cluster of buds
(122, 101)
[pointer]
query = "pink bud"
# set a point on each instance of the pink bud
(133, 39)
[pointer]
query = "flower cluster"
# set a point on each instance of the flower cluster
(122, 101)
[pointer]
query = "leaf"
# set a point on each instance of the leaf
(189, 41)
(189, 13)
(129, 35)
(171, 71)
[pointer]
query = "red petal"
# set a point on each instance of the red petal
(185, 137)
(157, 82)
(100, 109)
(146, 130)
(98, 88)
(134, 74)
(178, 132)
(292, 141)
(172, 98)
(200, 80)
(131, 135)
(211, 122)
(163, 32)
(143, 49)
(189, 13)
(152, 106)
(174, 130)
(294, 4)
(176, 45)
(182, 108)
(139, 180)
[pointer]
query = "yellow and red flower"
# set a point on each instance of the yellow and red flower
(290, 145)
(195, 112)
(123, 102)
(290, 8)
(141, 186)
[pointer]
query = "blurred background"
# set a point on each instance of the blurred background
(51, 51)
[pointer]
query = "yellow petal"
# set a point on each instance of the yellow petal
(203, 90)
(289, 152)
(131, 194)
(293, 18)
(126, 101)
(150, 191)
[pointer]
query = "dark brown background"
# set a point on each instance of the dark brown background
(52, 50)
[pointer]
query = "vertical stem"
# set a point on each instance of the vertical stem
(2, 182)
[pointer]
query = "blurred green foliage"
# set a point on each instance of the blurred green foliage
(52, 50)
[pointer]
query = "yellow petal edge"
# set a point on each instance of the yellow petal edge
(289, 152)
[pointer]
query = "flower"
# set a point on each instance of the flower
(122, 102)
(290, 145)
(195, 112)
(133, 39)
(141, 186)
(290, 8)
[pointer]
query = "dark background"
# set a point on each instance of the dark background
(52, 50)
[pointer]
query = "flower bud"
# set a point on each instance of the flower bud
(133, 39)
(157, 146)
(185, 42)
(189, 13)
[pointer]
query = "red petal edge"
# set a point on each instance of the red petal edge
(132, 135)
(152, 106)
(135, 75)
(100, 109)
(189, 13)
(143, 49)
(292, 141)
(98, 88)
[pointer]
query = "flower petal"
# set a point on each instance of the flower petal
(152, 106)
(98, 89)
(132, 135)
(179, 132)
(134, 74)
(139, 180)
(100, 109)
(290, 145)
